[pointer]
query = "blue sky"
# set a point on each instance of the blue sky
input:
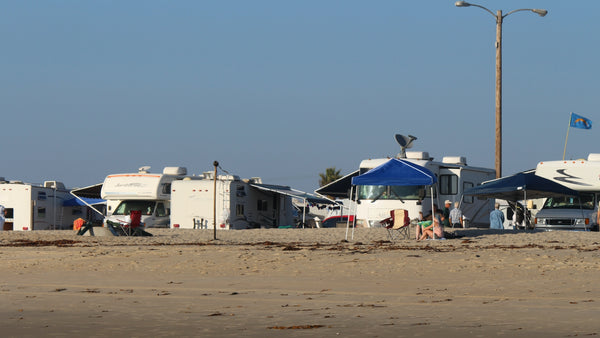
(285, 89)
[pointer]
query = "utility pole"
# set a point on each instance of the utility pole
(216, 164)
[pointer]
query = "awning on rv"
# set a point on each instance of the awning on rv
(338, 188)
(92, 191)
(284, 190)
(88, 196)
(83, 201)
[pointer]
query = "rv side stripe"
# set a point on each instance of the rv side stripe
(133, 175)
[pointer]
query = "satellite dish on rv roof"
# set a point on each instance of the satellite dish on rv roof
(145, 169)
(405, 142)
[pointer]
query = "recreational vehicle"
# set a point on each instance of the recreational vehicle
(38, 207)
(148, 192)
(571, 212)
(453, 175)
(240, 204)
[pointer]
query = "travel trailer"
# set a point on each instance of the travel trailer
(148, 192)
(454, 176)
(571, 212)
(240, 204)
(38, 207)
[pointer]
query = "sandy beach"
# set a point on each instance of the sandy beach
(300, 282)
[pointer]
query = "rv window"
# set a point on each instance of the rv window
(407, 192)
(262, 205)
(448, 184)
(41, 196)
(41, 212)
(428, 192)
(8, 213)
(166, 188)
(369, 192)
(394, 192)
(160, 210)
(240, 191)
(467, 199)
(239, 210)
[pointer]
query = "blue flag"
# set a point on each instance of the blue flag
(580, 122)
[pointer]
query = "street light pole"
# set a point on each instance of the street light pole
(499, 19)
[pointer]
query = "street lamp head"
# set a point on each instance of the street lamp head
(540, 12)
(462, 4)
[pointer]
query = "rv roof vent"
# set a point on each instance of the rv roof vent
(54, 185)
(175, 171)
(256, 180)
(209, 175)
(417, 155)
(228, 178)
(455, 160)
(594, 157)
(144, 170)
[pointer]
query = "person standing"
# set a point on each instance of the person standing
(2, 219)
(496, 218)
(456, 216)
(446, 213)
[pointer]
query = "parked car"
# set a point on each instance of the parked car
(337, 221)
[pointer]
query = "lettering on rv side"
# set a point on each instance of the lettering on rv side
(129, 185)
(566, 178)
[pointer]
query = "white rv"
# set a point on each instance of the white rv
(454, 176)
(571, 213)
(240, 204)
(37, 207)
(148, 192)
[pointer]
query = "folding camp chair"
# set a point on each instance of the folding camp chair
(398, 224)
(131, 228)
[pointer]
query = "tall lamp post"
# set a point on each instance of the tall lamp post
(499, 18)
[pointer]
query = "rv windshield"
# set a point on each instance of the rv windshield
(125, 207)
(393, 192)
(568, 202)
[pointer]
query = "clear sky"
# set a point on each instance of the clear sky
(285, 89)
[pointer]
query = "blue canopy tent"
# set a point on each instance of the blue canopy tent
(521, 186)
(397, 172)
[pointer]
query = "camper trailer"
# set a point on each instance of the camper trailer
(37, 207)
(454, 176)
(240, 204)
(148, 192)
(571, 212)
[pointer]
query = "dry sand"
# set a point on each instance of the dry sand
(300, 282)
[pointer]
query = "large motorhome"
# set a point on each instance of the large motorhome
(240, 204)
(454, 176)
(148, 192)
(571, 213)
(37, 207)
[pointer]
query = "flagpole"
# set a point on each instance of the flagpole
(568, 127)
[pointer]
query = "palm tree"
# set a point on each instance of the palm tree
(330, 175)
